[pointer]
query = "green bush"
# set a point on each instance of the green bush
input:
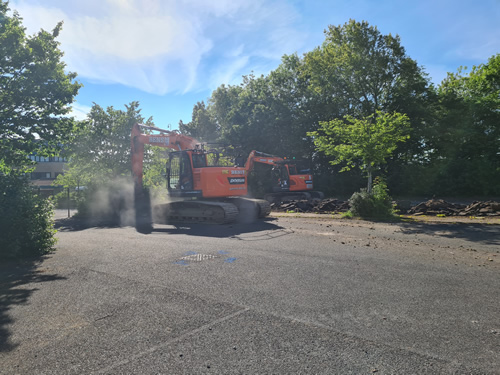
(26, 220)
(377, 204)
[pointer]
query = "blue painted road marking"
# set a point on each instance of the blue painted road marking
(181, 262)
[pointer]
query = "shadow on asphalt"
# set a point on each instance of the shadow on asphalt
(14, 277)
(221, 231)
(74, 224)
(205, 230)
(474, 232)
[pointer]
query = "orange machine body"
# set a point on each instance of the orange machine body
(288, 178)
(189, 173)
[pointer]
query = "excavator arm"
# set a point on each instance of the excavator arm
(261, 157)
(168, 139)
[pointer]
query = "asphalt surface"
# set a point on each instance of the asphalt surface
(281, 296)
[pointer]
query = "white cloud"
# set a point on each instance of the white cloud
(79, 112)
(162, 46)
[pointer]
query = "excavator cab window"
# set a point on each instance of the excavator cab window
(199, 160)
(292, 169)
(180, 175)
(284, 178)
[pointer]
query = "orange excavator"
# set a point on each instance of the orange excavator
(201, 191)
(287, 181)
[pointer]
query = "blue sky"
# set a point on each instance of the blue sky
(170, 54)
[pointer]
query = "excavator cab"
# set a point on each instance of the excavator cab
(281, 178)
(180, 172)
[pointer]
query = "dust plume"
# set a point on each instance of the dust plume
(110, 203)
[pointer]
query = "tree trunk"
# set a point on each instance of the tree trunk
(369, 189)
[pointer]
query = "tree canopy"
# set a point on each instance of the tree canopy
(101, 148)
(467, 140)
(35, 92)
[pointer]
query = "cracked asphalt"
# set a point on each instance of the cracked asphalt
(313, 295)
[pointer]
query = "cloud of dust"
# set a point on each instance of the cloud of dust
(112, 202)
(159, 197)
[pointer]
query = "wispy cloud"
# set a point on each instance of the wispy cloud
(161, 46)
(79, 112)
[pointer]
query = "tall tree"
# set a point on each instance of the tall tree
(35, 97)
(202, 125)
(359, 71)
(35, 92)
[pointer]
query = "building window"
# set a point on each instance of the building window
(40, 175)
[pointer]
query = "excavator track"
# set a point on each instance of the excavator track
(206, 212)
(251, 208)
(264, 207)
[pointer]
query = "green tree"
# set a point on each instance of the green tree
(35, 97)
(365, 143)
(35, 93)
(101, 148)
(359, 71)
(264, 113)
(202, 125)
(466, 160)
(101, 161)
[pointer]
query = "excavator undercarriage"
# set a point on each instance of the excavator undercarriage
(211, 212)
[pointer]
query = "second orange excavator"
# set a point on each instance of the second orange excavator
(282, 177)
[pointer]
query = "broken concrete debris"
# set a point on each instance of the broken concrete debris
(432, 207)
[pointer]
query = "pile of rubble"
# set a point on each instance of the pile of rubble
(436, 207)
(433, 207)
(441, 207)
(316, 205)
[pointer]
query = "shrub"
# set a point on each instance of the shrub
(25, 218)
(376, 204)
